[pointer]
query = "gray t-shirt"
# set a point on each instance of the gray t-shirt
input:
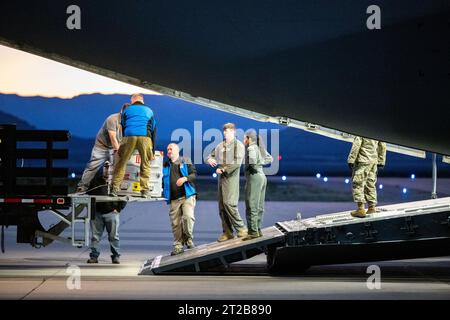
(111, 123)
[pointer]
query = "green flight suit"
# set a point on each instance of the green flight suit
(255, 187)
(365, 155)
(229, 157)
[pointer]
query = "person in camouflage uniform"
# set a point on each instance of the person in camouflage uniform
(365, 157)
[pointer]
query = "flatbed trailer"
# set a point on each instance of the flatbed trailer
(27, 190)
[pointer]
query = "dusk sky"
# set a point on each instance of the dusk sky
(26, 74)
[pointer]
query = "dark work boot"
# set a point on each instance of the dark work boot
(92, 260)
(81, 190)
(115, 260)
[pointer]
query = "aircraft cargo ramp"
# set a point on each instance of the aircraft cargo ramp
(400, 231)
(213, 255)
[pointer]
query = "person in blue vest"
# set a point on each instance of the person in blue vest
(139, 132)
(179, 176)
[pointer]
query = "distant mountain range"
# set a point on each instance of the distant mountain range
(84, 114)
(302, 153)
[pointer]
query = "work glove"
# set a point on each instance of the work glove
(351, 165)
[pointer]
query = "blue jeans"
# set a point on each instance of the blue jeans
(111, 222)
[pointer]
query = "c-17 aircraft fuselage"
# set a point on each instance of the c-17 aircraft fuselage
(382, 74)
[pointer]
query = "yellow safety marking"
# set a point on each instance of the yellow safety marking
(136, 186)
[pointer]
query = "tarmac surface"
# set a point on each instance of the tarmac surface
(51, 272)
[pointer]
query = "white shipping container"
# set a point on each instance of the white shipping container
(131, 180)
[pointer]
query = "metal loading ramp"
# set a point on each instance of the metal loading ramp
(388, 213)
(410, 230)
(213, 255)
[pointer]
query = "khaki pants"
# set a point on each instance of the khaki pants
(182, 219)
(364, 178)
(128, 145)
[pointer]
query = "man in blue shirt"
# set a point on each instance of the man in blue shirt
(139, 132)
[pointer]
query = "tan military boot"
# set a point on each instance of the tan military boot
(360, 212)
(372, 209)
(177, 250)
(225, 236)
(242, 233)
(190, 244)
(251, 236)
